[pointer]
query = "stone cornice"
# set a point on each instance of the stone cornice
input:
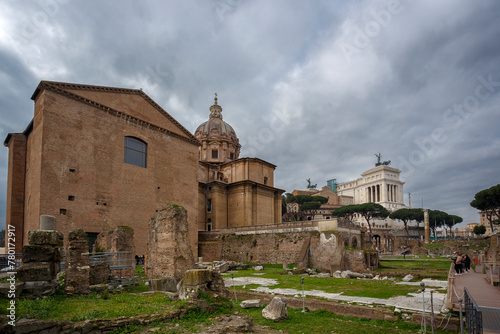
(56, 87)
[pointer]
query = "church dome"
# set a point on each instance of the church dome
(218, 138)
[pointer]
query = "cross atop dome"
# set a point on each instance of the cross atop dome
(216, 110)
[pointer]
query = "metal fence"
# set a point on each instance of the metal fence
(121, 265)
(4, 260)
(473, 315)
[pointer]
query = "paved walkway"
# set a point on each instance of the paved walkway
(486, 296)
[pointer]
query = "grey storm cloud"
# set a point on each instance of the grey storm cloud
(316, 88)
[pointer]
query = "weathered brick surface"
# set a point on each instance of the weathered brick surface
(117, 239)
(75, 166)
(15, 189)
(321, 250)
(169, 253)
(76, 279)
(99, 273)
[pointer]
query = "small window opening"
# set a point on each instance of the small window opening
(62, 212)
(72, 170)
(135, 152)
(215, 154)
(265, 179)
(104, 204)
(209, 205)
(71, 198)
(231, 156)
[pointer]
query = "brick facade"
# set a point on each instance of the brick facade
(75, 167)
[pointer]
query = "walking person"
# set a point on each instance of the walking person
(466, 264)
(458, 264)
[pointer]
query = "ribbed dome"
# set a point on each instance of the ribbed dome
(218, 135)
(215, 126)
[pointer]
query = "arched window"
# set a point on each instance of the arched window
(135, 152)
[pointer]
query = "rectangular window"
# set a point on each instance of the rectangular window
(231, 156)
(135, 152)
(215, 154)
(209, 205)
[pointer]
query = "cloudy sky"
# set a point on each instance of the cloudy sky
(315, 87)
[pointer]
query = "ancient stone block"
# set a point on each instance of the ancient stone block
(76, 281)
(408, 278)
(169, 252)
(41, 288)
(276, 310)
(201, 280)
(5, 289)
(99, 273)
(163, 284)
(36, 271)
(39, 253)
(45, 238)
(250, 303)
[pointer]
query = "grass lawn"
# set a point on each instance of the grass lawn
(350, 287)
(324, 322)
(435, 269)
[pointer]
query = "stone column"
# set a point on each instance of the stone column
(427, 229)
(77, 265)
(169, 254)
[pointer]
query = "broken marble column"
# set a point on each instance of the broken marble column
(169, 253)
(276, 310)
(76, 280)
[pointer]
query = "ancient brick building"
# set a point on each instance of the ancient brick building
(100, 157)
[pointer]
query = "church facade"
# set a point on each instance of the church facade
(99, 157)
(233, 191)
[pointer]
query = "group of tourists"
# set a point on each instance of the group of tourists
(462, 263)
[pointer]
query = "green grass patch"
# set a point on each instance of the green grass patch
(349, 287)
(79, 308)
(435, 269)
(324, 322)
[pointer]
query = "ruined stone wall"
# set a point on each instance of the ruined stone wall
(493, 252)
(310, 249)
(117, 239)
(209, 246)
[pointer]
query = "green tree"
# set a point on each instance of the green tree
(346, 212)
(436, 219)
(488, 200)
(310, 206)
(321, 199)
(370, 211)
(452, 220)
(479, 229)
(405, 215)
